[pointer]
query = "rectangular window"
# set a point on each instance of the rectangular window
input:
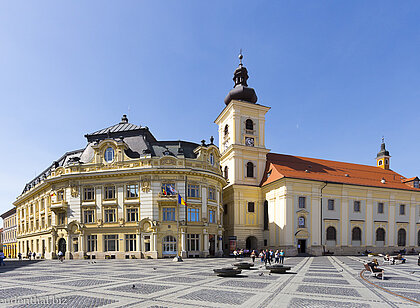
(130, 242)
(356, 206)
(92, 242)
(402, 209)
(251, 207)
(168, 214)
(132, 214)
(88, 216)
(302, 202)
(416, 184)
(132, 191)
(193, 214)
(212, 194)
(212, 216)
(60, 196)
(110, 215)
(88, 194)
(168, 188)
(111, 242)
(109, 192)
(193, 191)
(330, 204)
(193, 242)
(61, 218)
(380, 208)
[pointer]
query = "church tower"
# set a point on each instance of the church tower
(383, 157)
(242, 144)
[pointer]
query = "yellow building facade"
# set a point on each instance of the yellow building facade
(9, 233)
(120, 197)
(306, 205)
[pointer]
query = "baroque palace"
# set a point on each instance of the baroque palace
(118, 198)
(111, 200)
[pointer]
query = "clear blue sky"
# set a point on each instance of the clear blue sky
(338, 75)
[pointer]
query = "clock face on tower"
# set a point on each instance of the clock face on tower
(249, 141)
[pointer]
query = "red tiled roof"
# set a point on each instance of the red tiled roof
(410, 179)
(288, 166)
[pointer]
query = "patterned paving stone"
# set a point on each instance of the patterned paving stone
(313, 303)
(328, 290)
(326, 281)
(141, 288)
(240, 283)
(15, 292)
(83, 282)
(132, 276)
(42, 278)
(324, 274)
(397, 285)
(67, 301)
(181, 279)
(213, 296)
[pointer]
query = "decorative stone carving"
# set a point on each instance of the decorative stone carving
(74, 191)
(145, 185)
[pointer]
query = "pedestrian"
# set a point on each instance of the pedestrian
(60, 256)
(235, 254)
(20, 256)
(241, 253)
(2, 258)
(281, 255)
(267, 257)
(261, 255)
(29, 255)
(34, 255)
(253, 256)
(271, 255)
(277, 256)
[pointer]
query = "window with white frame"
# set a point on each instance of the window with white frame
(88, 194)
(193, 191)
(110, 215)
(132, 214)
(168, 214)
(132, 191)
(109, 155)
(193, 214)
(212, 193)
(130, 242)
(212, 216)
(169, 244)
(88, 216)
(109, 192)
(193, 242)
(92, 243)
(111, 242)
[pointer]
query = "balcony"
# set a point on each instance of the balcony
(60, 205)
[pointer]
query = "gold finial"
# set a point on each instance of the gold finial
(240, 56)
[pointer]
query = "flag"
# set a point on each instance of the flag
(53, 194)
(164, 191)
(181, 201)
(172, 190)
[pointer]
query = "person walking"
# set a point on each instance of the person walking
(253, 255)
(281, 255)
(2, 258)
(267, 257)
(20, 256)
(34, 255)
(60, 256)
(261, 255)
(235, 254)
(277, 256)
(29, 255)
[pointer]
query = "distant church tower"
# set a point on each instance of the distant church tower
(242, 144)
(383, 157)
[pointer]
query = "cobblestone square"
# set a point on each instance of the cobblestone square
(312, 282)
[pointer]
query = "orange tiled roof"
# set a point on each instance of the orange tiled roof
(410, 179)
(288, 166)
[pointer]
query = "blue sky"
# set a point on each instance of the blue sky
(338, 75)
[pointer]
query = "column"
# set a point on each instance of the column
(82, 243)
(369, 221)
(138, 240)
(154, 241)
(68, 247)
(220, 238)
(344, 223)
(183, 244)
(391, 224)
(205, 243)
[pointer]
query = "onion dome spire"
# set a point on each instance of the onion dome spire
(241, 91)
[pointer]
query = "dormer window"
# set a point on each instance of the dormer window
(249, 124)
(109, 155)
(226, 130)
(416, 184)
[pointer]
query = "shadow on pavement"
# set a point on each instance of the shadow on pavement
(16, 264)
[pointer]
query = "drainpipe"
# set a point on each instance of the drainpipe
(325, 184)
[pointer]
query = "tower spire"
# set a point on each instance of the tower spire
(383, 157)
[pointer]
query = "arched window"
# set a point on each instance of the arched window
(169, 244)
(380, 235)
(301, 222)
(226, 172)
(401, 237)
(249, 170)
(331, 234)
(249, 125)
(356, 234)
(226, 130)
(265, 215)
(109, 155)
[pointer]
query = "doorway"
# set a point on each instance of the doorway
(301, 246)
(212, 244)
(62, 245)
(251, 243)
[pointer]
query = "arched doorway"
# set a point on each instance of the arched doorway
(62, 245)
(380, 237)
(251, 243)
(401, 237)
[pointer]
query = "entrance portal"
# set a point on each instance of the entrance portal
(212, 244)
(62, 245)
(301, 246)
(251, 243)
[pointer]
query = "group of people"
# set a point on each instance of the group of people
(268, 256)
(399, 257)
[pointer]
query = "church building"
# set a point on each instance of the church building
(307, 205)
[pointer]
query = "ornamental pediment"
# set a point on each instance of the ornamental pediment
(167, 161)
(302, 211)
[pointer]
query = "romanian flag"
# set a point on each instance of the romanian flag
(181, 201)
(164, 191)
(53, 194)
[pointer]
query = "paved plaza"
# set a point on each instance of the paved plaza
(313, 282)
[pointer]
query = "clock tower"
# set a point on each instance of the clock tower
(242, 144)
